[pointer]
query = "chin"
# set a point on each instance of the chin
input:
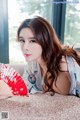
(32, 59)
(29, 60)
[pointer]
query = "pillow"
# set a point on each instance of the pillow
(13, 79)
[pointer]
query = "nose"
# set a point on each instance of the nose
(26, 46)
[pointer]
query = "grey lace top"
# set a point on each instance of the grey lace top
(34, 79)
(74, 71)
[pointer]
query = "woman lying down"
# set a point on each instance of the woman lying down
(52, 67)
(11, 83)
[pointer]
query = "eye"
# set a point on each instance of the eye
(32, 41)
(21, 40)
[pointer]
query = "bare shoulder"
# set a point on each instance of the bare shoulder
(63, 64)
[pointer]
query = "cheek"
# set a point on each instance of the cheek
(21, 46)
(37, 51)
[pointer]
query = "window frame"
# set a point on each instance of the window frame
(58, 21)
(4, 42)
(59, 11)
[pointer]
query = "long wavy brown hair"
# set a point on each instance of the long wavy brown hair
(53, 50)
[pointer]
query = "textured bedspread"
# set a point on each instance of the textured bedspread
(42, 107)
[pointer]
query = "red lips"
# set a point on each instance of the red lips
(27, 55)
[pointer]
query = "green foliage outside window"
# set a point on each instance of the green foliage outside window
(72, 23)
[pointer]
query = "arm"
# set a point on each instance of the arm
(62, 84)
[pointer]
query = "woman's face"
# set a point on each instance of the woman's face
(30, 49)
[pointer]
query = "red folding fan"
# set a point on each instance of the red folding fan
(13, 79)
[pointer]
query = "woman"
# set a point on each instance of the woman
(51, 67)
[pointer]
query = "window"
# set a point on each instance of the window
(4, 51)
(18, 10)
(72, 23)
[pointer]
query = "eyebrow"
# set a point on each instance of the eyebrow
(28, 38)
